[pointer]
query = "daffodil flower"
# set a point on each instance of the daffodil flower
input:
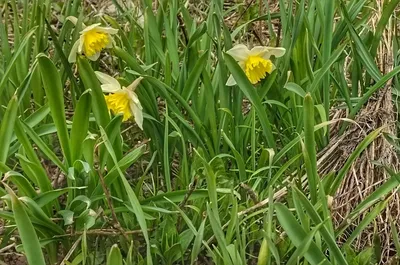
(93, 39)
(256, 63)
(122, 99)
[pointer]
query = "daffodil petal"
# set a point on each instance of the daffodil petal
(94, 57)
(277, 52)
(108, 30)
(272, 68)
(239, 52)
(231, 81)
(132, 87)
(136, 108)
(110, 42)
(258, 51)
(109, 83)
(137, 114)
(108, 88)
(81, 42)
(74, 50)
(88, 28)
(73, 19)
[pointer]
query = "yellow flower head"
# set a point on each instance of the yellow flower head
(93, 39)
(120, 99)
(255, 63)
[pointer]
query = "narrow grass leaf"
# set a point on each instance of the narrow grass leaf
(16, 56)
(366, 221)
(310, 145)
(55, 95)
(91, 82)
(328, 237)
(80, 125)
(297, 234)
(7, 127)
(304, 246)
(29, 238)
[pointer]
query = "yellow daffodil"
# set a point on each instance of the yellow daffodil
(122, 99)
(256, 63)
(93, 39)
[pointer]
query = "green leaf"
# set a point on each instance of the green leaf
(194, 76)
(197, 242)
(29, 238)
(366, 221)
(238, 157)
(43, 147)
(16, 56)
(123, 164)
(296, 89)
(361, 51)
(395, 235)
(91, 83)
(297, 234)
(309, 147)
(80, 125)
(114, 257)
(304, 246)
(328, 237)
(325, 68)
(21, 182)
(7, 127)
(55, 96)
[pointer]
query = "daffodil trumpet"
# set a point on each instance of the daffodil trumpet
(120, 99)
(256, 63)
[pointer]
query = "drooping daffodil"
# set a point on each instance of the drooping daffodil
(122, 99)
(256, 63)
(93, 39)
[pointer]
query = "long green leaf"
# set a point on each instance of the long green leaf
(27, 232)
(329, 238)
(55, 95)
(14, 59)
(7, 128)
(309, 143)
(297, 234)
(80, 125)
(91, 82)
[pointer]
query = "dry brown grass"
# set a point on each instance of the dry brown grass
(366, 174)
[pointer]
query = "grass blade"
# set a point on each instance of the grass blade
(7, 127)
(297, 234)
(55, 95)
(30, 241)
(309, 146)
(80, 125)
